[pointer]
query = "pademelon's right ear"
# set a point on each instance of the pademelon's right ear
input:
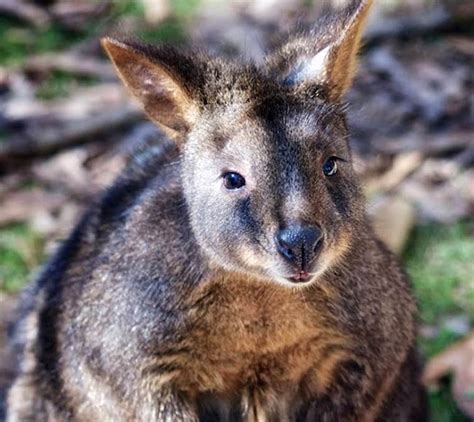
(156, 77)
(325, 55)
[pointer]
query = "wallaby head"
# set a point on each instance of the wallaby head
(266, 166)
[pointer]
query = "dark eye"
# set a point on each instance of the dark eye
(330, 167)
(233, 180)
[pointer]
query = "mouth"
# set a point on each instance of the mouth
(299, 277)
(303, 276)
(302, 272)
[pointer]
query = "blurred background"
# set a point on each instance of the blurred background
(67, 128)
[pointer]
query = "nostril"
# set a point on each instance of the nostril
(288, 253)
(284, 248)
(312, 237)
(287, 250)
(318, 244)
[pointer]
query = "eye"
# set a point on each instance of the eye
(330, 167)
(233, 180)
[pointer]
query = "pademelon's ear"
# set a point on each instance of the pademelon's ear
(326, 55)
(155, 76)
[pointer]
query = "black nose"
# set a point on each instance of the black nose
(299, 244)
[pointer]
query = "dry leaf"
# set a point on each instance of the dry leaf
(459, 361)
(393, 219)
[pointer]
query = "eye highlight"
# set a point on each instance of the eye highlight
(233, 180)
(330, 167)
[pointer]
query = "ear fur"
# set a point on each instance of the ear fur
(327, 55)
(341, 58)
(149, 75)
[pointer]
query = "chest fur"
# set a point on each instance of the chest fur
(245, 336)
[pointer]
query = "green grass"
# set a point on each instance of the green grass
(441, 403)
(185, 9)
(171, 31)
(21, 251)
(20, 41)
(440, 261)
(59, 84)
(443, 407)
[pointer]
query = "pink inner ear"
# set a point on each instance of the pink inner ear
(151, 88)
(164, 100)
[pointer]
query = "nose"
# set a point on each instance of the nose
(299, 244)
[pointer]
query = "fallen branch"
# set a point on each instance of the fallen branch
(407, 26)
(439, 19)
(428, 144)
(76, 15)
(22, 205)
(70, 63)
(430, 104)
(79, 104)
(36, 142)
(403, 166)
(26, 12)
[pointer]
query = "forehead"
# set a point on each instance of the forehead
(299, 114)
(280, 123)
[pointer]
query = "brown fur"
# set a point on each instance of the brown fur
(171, 300)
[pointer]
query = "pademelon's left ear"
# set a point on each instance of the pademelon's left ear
(327, 55)
(161, 79)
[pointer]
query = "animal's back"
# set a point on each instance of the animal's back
(48, 306)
